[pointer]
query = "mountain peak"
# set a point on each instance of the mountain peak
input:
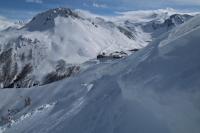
(45, 20)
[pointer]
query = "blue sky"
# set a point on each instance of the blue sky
(25, 9)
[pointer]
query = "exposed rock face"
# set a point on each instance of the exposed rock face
(18, 66)
(11, 75)
(126, 32)
(61, 72)
(178, 19)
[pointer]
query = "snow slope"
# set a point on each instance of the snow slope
(153, 91)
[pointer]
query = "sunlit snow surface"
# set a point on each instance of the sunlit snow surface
(153, 91)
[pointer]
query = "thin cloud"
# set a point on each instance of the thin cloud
(34, 1)
(191, 2)
(180, 2)
(99, 5)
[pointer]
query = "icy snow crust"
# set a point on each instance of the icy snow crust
(155, 90)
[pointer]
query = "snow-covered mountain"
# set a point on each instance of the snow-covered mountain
(157, 28)
(153, 23)
(155, 90)
(53, 36)
(54, 43)
(46, 20)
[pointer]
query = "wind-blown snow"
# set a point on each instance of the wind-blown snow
(82, 41)
(4, 23)
(155, 90)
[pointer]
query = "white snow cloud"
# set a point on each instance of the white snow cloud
(186, 1)
(35, 1)
(4, 23)
(99, 5)
(180, 2)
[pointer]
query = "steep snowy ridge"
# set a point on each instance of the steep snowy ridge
(155, 90)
